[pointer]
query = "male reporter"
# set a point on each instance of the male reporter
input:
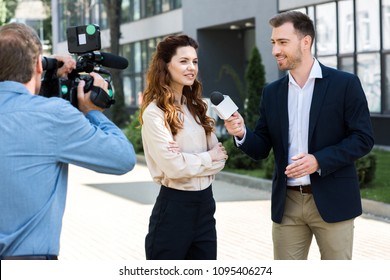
(317, 122)
(39, 137)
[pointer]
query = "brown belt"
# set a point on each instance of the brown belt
(304, 189)
(30, 257)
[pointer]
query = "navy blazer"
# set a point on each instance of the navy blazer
(340, 132)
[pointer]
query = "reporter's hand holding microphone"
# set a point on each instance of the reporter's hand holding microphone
(227, 110)
(235, 125)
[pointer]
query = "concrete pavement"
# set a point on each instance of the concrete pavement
(106, 218)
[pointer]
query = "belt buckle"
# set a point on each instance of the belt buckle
(301, 190)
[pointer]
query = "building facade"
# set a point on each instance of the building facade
(352, 35)
(35, 20)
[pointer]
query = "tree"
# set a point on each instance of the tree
(7, 10)
(114, 10)
(47, 26)
(255, 82)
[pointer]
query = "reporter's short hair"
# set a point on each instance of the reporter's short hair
(20, 49)
(302, 23)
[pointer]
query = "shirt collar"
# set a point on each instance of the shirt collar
(315, 72)
(15, 87)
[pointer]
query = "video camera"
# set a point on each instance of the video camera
(85, 42)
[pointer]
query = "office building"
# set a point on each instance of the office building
(352, 35)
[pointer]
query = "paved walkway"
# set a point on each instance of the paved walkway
(106, 218)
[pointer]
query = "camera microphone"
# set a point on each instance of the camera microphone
(107, 59)
(222, 105)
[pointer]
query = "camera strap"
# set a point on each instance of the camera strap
(101, 98)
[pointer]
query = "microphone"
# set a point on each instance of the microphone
(222, 105)
(107, 59)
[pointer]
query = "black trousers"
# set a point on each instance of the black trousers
(182, 226)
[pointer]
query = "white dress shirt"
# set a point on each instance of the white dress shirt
(299, 103)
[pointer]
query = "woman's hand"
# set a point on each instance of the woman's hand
(173, 147)
(218, 153)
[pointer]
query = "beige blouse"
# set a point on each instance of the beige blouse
(192, 169)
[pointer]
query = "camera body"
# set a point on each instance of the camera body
(84, 41)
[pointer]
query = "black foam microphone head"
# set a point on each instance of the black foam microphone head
(113, 61)
(216, 98)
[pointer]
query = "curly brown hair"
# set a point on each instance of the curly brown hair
(158, 87)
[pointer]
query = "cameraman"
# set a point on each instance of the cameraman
(39, 137)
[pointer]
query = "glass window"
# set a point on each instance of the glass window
(302, 10)
(346, 27)
(137, 57)
(347, 64)
(165, 5)
(95, 15)
(137, 90)
(370, 76)
(330, 61)
(310, 13)
(103, 17)
(144, 54)
(127, 90)
(126, 52)
(71, 13)
(367, 25)
(386, 97)
(157, 7)
(326, 29)
(126, 11)
(386, 24)
(176, 4)
(136, 8)
(149, 8)
(151, 48)
(132, 88)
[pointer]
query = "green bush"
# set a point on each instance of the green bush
(269, 165)
(238, 159)
(255, 82)
(133, 133)
(366, 167)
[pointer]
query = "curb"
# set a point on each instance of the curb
(370, 207)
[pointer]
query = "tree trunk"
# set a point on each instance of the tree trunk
(114, 10)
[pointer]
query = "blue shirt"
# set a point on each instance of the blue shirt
(39, 137)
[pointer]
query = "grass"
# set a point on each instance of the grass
(378, 189)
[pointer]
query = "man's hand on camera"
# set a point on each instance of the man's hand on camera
(84, 101)
(69, 64)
